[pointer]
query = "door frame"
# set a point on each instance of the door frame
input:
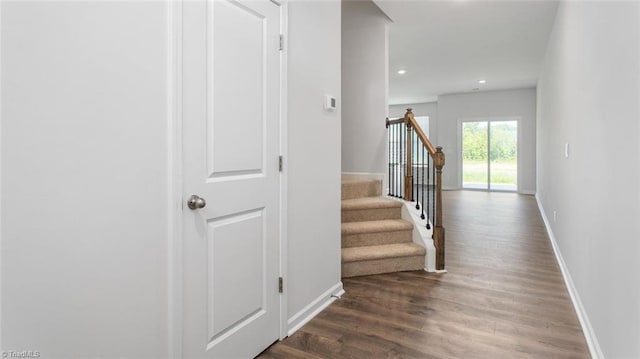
(1, 166)
(518, 120)
(284, 151)
(175, 268)
(175, 249)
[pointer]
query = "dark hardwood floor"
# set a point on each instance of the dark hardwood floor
(502, 297)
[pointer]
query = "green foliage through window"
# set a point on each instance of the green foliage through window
(503, 154)
(503, 141)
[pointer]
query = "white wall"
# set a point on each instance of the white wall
(85, 144)
(85, 178)
(420, 109)
(364, 87)
(313, 157)
(486, 105)
(589, 97)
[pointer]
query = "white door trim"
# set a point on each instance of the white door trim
(174, 128)
(284, 30)
(1, 175)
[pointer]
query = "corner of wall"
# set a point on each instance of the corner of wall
(316, 306)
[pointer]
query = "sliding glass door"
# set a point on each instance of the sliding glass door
(490, 155)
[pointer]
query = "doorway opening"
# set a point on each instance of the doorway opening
(490, 155)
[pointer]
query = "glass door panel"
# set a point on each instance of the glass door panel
(490, 155)
(503, 155)
(475, 147)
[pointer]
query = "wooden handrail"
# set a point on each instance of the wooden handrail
(438, 157)
(393, 122)
(409, 119)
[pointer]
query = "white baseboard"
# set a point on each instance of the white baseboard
(527, 192)
(587, 329)
(316, 306)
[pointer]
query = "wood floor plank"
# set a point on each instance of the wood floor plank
(421, 315)
(280, 351)
(503, 296)
(457, 307)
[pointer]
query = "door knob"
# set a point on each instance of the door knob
(196, 202)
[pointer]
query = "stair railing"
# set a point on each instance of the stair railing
(411, 156)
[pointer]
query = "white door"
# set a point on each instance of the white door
(231, 129)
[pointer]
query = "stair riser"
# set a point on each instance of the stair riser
(374, 239)
(374, 214)
(361, 189)
(378, 266)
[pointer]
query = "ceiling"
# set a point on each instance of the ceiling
(448, 46)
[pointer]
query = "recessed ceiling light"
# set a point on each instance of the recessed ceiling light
(402, 72)
(482, 81)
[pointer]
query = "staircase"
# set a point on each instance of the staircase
(375, 239)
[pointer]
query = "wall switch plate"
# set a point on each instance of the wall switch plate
(330, 103)
(566, 150)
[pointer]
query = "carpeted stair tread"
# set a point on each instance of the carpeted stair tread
(358, 180)
(374, 233)
(356, 188)
(379, 266)
(359, 254)
(369, 203)
(375, 239)
(370, 209)
(385, 225)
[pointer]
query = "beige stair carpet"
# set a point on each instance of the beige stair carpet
(368, 233)
(375, 239)
(357, 188)
(370, 209)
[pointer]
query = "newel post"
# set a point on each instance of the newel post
(438, 230)
(408, 178)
